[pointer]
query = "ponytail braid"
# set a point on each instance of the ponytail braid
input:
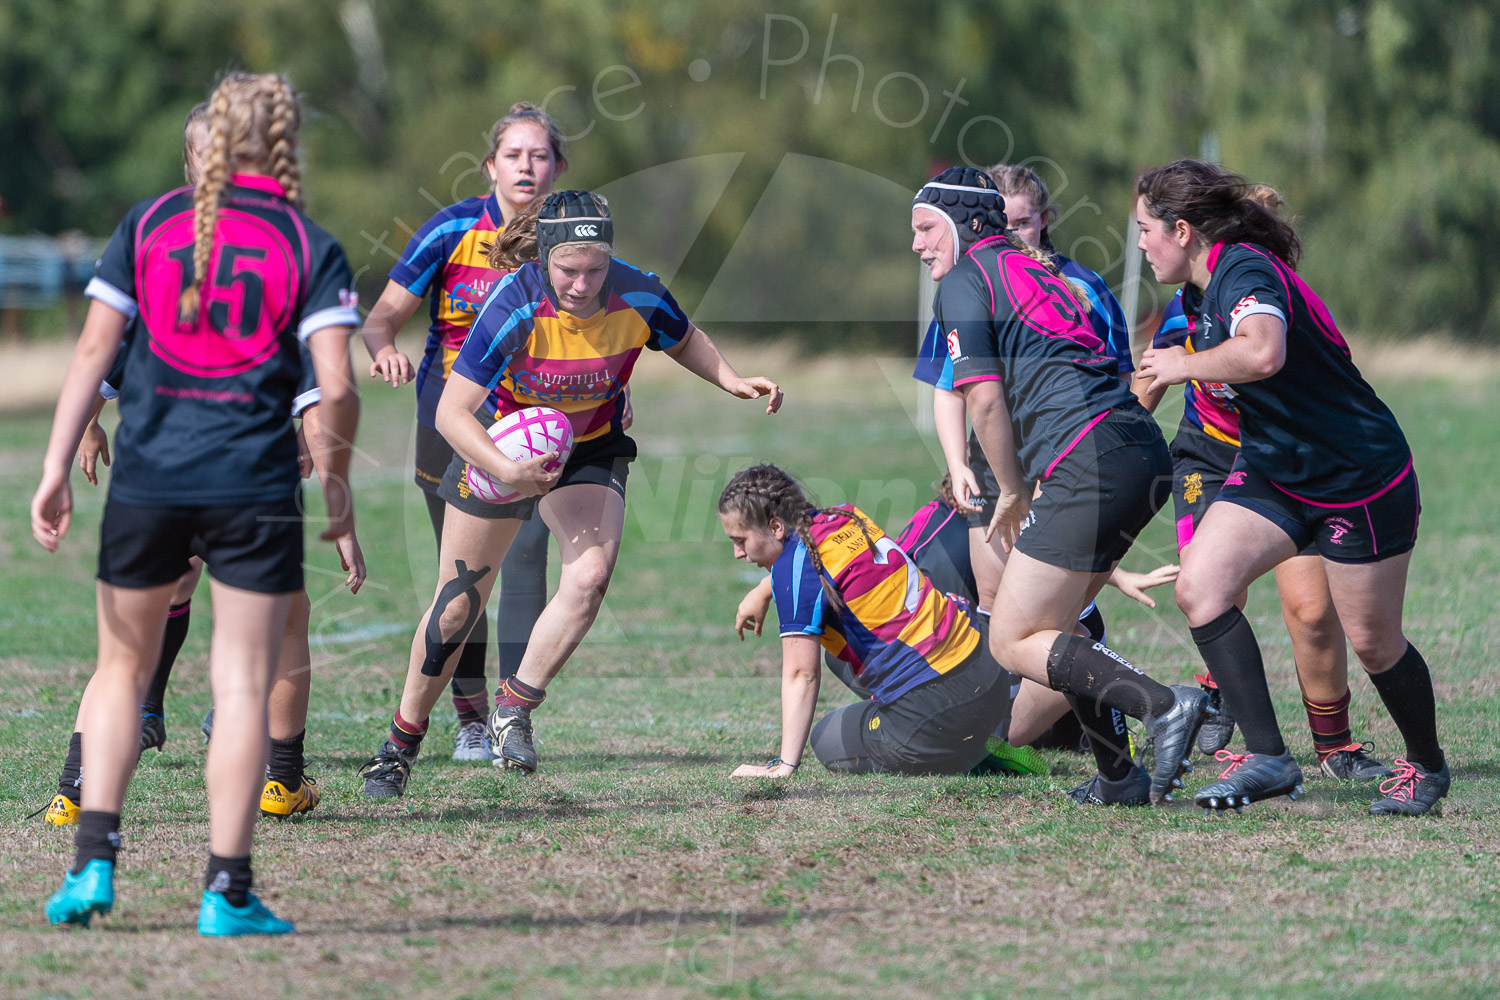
(1048, 261)
(206, 196)
(286, 121)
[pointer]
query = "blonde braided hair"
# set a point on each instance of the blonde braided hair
(253, 120)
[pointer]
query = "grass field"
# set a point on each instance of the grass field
(631, 865)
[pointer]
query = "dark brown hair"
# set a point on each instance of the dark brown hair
(762, 492)
(1222, 207)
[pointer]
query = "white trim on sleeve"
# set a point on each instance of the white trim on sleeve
(111, 296)
(311, 397)
(1264, 308)
(108, 391)
(324, 318)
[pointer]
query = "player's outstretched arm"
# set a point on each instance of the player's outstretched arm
(801, 670)
(1135, 585)
(52, 505)
(699, 355)
(390, 314)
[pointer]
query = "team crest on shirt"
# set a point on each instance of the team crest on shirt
(954, 350)
(1241, 306)
(348, 298)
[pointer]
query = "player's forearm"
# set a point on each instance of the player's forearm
(1149, 391)
(699, 355)
(79, 401)
(1257, 351)
(799, 701)
(990, 418)
(948, 418)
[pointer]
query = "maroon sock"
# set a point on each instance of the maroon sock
(514, 692)
(1329, 722)
(407, 735)
(471, 707)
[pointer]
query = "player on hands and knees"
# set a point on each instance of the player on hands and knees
(206, 451)
(1047, 405)
(936, 694)
(563, 330)
(1322, 460)
(445, 257)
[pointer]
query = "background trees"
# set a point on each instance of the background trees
(1378, 120)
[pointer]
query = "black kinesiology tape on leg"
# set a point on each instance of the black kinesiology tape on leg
(438, 648)
(1092, 670)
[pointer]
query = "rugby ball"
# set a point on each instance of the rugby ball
(524, 434)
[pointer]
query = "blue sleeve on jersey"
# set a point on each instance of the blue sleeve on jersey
(798, 591)
(934, 366)
(502, 327)
(1173, 329)
(1105, 314)
(430, 246)
(644, 292)
(113, 282)
(330, 298)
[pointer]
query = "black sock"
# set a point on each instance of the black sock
(1406, 689)
(286, 761)
(70, 781)
(471, 695)
(1093, 622)
(98, 837)
(523, 593)
(1105, 728)
(1097, 673)
(171, 644)
(231, 876)
(1227, 645)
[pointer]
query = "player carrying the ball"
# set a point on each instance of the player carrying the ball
(563, 330)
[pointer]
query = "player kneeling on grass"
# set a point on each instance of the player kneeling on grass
(563, 330)
(936, 695)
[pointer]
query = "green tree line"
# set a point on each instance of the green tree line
(778, 139)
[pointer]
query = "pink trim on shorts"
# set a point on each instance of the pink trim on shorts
(979, 378)
(1374, 548)
(1184, 531)
(1074, 443)
(1357, 503)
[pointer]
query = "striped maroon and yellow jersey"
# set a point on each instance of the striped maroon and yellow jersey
(528, 352)
(446, 258)
(896, 629)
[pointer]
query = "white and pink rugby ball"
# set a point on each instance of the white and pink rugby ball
(524, 434)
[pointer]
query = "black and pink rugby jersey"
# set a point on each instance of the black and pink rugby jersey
(1006, 318)
(205, 416)
(1315, 428)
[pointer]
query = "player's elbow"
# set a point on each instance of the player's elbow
(1268, 359)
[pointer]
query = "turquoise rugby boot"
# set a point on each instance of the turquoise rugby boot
(217, 918)
(89, 892)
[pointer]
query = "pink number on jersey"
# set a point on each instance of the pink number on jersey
(1043, 301)
(256, 283)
